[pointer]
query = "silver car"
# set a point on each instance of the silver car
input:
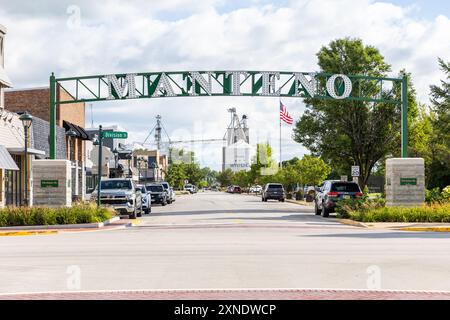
(146, 198)
(169, 191)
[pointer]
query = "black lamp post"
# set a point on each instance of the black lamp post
(26, 119)
(116, 157)
(99, 144)
(155, 174)
(70, 134)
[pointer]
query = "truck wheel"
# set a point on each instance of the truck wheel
(133, 215)
(316, 209)
(325, 211)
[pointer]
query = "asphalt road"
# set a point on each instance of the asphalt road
(217, 240)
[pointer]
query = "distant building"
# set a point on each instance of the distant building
(236, 154)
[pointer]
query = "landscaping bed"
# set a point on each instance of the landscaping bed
(44, 216)
(425, 213)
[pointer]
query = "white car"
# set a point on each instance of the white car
(255, 189)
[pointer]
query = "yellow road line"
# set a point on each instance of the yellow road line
(432, 229)
(27, 233)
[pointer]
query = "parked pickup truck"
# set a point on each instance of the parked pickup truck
(122, 195)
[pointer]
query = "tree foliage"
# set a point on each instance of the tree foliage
(346, 133)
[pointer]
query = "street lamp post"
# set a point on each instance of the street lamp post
(116, 157)
(99, 143)
(70, 134)
(26, 119)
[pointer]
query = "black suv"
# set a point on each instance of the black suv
(273, 191)
(157, 192)
(331, 191)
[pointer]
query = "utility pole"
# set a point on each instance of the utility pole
(158, 132)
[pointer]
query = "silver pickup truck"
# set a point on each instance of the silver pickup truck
(122, 195)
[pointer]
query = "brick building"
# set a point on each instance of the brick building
(68, 116)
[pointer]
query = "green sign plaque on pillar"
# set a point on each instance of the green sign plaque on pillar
(408, 181)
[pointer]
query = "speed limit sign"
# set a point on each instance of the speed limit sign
(355, 171)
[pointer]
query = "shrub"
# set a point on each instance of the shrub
(433, 196)
(345, 207)
(425, 213)
(445, 194)
(79, 213)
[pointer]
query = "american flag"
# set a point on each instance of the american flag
(284, 115)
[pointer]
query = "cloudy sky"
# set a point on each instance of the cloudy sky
(74, 38)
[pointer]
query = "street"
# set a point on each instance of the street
(218, 240)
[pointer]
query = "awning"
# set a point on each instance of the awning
(6, 161)
(81, 133)
(30, 151)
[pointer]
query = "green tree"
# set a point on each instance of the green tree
(176, 175)
(345, 133)
(225, 177)
(439, 175)
(312, 170)
(263, 165)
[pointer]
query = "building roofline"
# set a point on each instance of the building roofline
(25, 89)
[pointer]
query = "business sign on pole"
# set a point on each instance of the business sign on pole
(355, 171)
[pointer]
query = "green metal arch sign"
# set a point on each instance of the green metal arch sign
(226, 83)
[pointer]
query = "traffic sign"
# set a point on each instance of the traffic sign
(115, 134)
(355, 171)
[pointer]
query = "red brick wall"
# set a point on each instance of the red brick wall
(36, 102)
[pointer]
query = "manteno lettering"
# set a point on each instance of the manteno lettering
(234, 83)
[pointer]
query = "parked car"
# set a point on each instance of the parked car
(146, 198)
(122, 195)
(255, 189)
(273, 191)
(170, 192)
(157, 193)
(190, 187)
(309, 193)
(332, 191)
(235, 189)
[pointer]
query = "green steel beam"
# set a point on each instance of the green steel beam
(405, 117)
(52, 117)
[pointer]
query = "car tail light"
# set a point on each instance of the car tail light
(332, 194)
(359, 194)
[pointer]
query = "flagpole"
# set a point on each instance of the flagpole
(281, 163)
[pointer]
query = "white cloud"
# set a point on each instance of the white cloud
(134, 36)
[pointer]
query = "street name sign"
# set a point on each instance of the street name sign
(115, 134)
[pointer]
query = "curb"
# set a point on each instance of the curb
(51, 229)
(353, 223)
(301, 204)
(27, 233)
